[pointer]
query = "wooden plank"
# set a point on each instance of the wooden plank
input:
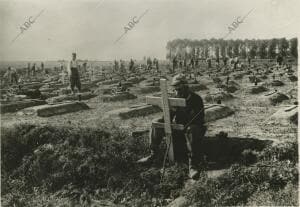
(167, 118)
(172, 101)
(173, 126)
(165, 106)
(290, 108)
(271, 93)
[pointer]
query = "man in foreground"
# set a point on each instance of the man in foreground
(192, 117)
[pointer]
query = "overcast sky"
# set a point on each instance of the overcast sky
(91, 27)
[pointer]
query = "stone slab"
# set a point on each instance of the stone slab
(117, 97)
(70, 97)
(56, 109)
(136, 111)
(18, 105)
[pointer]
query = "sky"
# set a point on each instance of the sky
(91, 27)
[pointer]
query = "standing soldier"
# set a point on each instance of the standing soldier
(74, 74)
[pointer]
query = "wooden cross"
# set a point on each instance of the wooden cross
(165, 103)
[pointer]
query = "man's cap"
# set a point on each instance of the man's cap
(74, 53)
(178, 79)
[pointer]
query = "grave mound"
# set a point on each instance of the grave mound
(147, 89)
(108, 82)
(293, 93)
(223, 96)
(256, 89)
(277, 98)
(286, 115)
(32, 85)
(192, 81)
(118, 97)
(46, 95)
(238, 76)
(135, 80)
(253, 78)
(18, 105)
(292, 78)
(56, 109)
(217, 80)
(30, 93)
(133, 111)
(149, 83)
(277, 83)
(216, 111)
(70, 97)
(197, 87)
(264, 77)
(228, 88)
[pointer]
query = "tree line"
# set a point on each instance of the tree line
(219, 48)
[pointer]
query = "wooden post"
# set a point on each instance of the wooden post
(164, 102)
(63, 77)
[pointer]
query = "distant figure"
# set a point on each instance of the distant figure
(279, 60)
(11, 76)
(131, 66)
(192, 63)
(218, 61)
(255, 80)
(149, 63)
(174, 63)
(249, 60)
(28, 69)
(33, 70)
(74, 74)
(156, 64)
(197, 62)
(116, 66)
(225, 61)
(208, 60)
(122, 66)
(84, 66)
(235, 62)
(42, 67)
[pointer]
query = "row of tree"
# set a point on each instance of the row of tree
(219, 48)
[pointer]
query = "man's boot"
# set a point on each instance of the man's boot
(149, 159)
(193, 172)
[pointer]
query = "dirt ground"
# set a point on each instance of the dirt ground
(251, 117)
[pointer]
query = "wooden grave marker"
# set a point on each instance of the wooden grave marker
(165, 103)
